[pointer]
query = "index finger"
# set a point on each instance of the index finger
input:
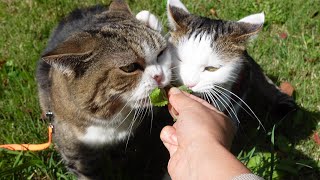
(179, 99)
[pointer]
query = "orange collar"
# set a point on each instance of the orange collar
(30, 147)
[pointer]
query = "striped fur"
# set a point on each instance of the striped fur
(95, 76)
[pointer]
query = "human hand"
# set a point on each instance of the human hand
(199, 117)
(199, 139)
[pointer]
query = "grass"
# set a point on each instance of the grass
(288, 49)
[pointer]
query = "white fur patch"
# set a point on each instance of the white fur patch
(196, 54)
(150, 20)
(254, 19)
(96, 135)
(63, 69)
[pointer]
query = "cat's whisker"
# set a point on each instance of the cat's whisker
(212, 99)
(203, 96)
(175, 76)
(131, 97)
(230, 97)
(228, 105)
(135, 104)
(137, 114)
(230, 100)
(116, 99)
(227, 98)
(129, 129)
(174, 80)
(243, 103)
(145, 110)
(124, 119)
(207, 98)
(175, 67)
(233, 100)
(214, 102)
(224, 105)
(151, 111)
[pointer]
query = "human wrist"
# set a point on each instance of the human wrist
(214, 160)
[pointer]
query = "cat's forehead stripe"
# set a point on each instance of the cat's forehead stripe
(203, 25)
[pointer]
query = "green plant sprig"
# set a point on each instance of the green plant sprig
(159, 96)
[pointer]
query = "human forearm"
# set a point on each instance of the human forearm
(206, 160)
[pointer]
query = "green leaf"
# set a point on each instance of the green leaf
(158, 97)
(185, 89)
(272, 135)
(261, 163)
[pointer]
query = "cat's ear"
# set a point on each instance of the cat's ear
(254, 19)
(149, 20)
(119, 5)
(177, 13)
(72, 52)
(251, 26)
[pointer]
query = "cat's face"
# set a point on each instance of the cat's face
(208, 52)
(112, 65)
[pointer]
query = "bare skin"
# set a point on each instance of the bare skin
(199, 141)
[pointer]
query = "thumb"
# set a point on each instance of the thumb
(179, 100)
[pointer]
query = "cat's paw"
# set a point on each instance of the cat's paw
(149, 20)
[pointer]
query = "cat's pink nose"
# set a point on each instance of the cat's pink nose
(158, 79)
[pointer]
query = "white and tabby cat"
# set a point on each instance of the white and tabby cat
(95, 77)
(210, 58)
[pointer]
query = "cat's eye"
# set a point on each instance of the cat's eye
(161, 53)
(131, 67)
(210, 68)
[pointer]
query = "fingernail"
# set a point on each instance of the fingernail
(174, 90)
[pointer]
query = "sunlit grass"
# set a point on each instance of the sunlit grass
(26, 25)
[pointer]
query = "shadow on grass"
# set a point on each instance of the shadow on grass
(272, 153)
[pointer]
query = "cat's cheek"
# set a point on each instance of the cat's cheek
(165, 63)
(140, 95)
(166, 78)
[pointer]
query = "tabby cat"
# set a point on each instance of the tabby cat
(95, 77)
(210, 57)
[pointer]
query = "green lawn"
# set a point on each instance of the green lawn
(288, 49)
